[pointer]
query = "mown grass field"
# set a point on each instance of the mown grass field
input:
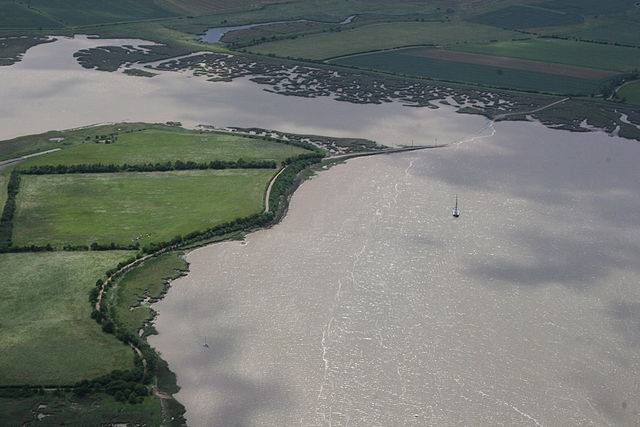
(162, 145)
(126, 208)
(399, 62)
(591, 55)
(67, 409)
(147, 281)
(631, 93)
(381, 36)
(48, 336)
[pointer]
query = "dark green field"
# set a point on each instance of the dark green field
(631, 93)
(17, 15)
(399, 62)
(521, 17)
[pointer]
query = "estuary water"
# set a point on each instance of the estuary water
(369, 304)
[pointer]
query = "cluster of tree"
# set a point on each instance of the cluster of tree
(149, 167)
(29, 248)
(609, 89)
(124, 386)
(110, 247)
(288, 180)
(6, 220)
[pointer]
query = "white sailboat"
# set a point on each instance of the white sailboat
(455, 211)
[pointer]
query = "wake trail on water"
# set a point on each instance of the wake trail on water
(486, 131)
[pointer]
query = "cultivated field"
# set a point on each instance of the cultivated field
(381, 36)
(591, 55)
(129, 208)
(521, 17)
(513, 63)
(48, 336)
(402, 62)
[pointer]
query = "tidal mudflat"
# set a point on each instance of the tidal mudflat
(370, 305)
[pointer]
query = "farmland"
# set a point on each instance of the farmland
(367, 38)
(126, 208)
(521, 17)
(605, 57)
(45, 315)
(403, 62)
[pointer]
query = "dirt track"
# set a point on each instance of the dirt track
(513, 63)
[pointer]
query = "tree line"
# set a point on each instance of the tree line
(148, 167)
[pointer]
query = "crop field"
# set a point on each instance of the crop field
(631, 93)
(590, 55)
(145, 282)
(127, 208)
(158, 145)
(369, 38)
(404, 62)
(43, 316)
(521, 17)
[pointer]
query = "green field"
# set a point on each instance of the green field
(398, 62)
(147, 281)
(17, 15)
(589, 7)
(381, 36)
(590, 55)
(162, 145)
(630, 93)
(619, 31)
(97, 11)
(48, 336)
(4, 180)
(126, 208)
(520, 17)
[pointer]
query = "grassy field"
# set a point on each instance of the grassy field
(631, 93)
(619, 31)
(67, 409)
(142, 286)
(126, 208)
(47, 335)
(18, 15)
(4, 180)
(381, 36)
(399, 62)
(161, 145)
(591, 55)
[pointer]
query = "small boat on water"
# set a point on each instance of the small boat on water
(455, 211)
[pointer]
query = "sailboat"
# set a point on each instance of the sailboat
(455, 211)
(205, 343)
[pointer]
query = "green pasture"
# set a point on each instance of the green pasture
(162, 145)
(127, 208)
(145, 281)
(589, 7)
(521, 17)
(591, 55)
(67, 409)
(48, 336)
(399, 62)
(630, 93)
(381, 36)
